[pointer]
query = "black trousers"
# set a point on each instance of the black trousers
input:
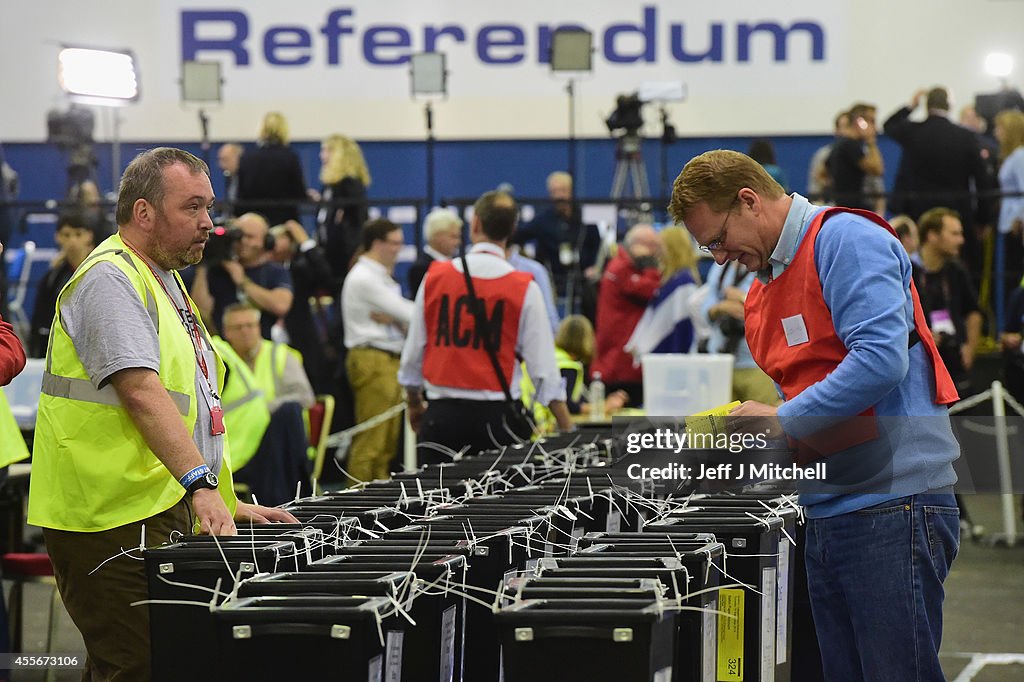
(455, 424)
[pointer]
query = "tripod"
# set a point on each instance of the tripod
(629, 165)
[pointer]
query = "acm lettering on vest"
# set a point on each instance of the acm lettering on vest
(493, 44)
(450, 329)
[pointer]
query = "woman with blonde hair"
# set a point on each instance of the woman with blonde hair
(345, 177)
(574, 349)
(1009, 131)
(271, 175)
(667, 324)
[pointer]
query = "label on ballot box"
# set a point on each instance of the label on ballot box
(710, 638)
(730, 635)
(393, 656)
(448, 645)
(768, 602)
(782, 604)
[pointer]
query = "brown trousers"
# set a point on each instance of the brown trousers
(116, 634)
(373, 375)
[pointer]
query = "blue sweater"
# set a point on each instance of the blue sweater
(865, 275)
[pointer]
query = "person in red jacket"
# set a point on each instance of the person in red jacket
(628, 284)
(12, 355)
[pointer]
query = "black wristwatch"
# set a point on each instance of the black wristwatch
(207, 480)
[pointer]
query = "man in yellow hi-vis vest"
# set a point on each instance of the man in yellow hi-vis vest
(130, 429)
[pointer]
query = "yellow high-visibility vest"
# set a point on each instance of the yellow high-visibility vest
(246, 415)
(14, 448)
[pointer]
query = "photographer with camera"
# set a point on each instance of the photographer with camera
(727, 288)
(855, 161)
(243, 273)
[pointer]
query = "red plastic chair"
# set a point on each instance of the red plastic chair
(21, 568)
(320, 416)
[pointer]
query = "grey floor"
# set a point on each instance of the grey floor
(984, 612)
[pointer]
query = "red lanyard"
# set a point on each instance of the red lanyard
(191, 326)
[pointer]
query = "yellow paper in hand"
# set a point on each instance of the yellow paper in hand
(711, 422)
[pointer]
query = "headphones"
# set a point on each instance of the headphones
(269, 242)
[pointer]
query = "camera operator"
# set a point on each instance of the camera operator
(727, 287)
(249, 276)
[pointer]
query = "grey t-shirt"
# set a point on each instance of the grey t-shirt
(112, 330)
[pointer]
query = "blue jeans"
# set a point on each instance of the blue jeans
(875, 581)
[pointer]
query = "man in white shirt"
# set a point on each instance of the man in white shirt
(376, 317)
(445, 355)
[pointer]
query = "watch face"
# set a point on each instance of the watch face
(212, 479)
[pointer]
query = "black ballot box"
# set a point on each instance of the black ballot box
(270, 639)
(691, 585)
(577, 640)
(445, 614)
(185, 579)
(428, 649)
(753, 629)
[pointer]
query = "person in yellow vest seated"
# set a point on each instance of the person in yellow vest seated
(276, 367)
(574, 348)
(129, 444)
(264, 395)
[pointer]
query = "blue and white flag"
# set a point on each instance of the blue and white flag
(667, 324)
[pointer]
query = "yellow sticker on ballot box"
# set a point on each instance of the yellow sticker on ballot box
(730, 636)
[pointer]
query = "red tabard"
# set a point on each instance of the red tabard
(797, 291)
(455, 355)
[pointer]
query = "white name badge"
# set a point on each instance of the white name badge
(796, 330)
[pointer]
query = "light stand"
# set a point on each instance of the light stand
(572, 51)
(428, 111)
(201, 84)
(629, 166)
(429, 77)
(668, 136)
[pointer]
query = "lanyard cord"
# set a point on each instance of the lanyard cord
(189, 319)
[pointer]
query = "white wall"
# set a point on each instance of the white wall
(876, 50)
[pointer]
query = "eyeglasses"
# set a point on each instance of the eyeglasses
(717, 243)
(241, 325)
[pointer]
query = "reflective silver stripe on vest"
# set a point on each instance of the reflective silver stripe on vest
(247, 398)
(82, 390)
(252, 392)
